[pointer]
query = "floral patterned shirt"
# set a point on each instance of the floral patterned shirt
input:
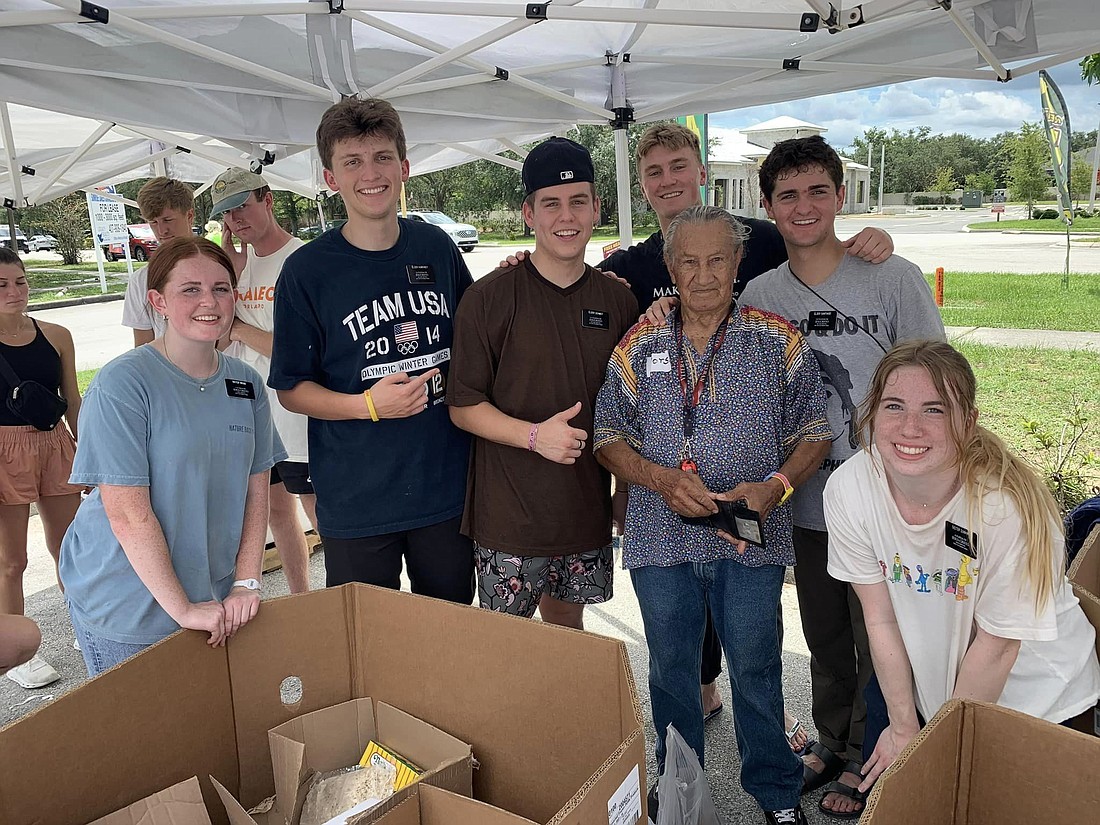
(763, 396)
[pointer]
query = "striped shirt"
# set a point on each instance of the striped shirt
(764, 396)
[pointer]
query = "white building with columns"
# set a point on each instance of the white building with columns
(735, 185)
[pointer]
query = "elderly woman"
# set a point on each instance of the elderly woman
(178, 442)
(721, 404)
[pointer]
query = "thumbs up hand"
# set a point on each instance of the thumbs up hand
(558, 441)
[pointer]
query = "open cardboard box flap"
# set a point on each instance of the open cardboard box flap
(433, 806)
(181, 804)
(1084, 573)
(335, 737)
(980, 764)
(182, 708)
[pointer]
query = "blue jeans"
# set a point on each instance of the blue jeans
(101, 654)
(742, 601)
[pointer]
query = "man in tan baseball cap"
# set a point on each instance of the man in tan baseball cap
(245, 203)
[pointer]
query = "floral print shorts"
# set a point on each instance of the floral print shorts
(514, 584)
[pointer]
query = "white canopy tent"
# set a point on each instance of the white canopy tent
(59, 154)
(256, 74)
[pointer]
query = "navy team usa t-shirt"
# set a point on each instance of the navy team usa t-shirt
(346, 317)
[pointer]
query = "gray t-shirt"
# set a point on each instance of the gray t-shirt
(873, 307)
(145, 423)
(136, 311)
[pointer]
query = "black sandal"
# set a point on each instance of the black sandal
(840, 788)
(834, 766)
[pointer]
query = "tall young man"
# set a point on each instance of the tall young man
(851, 313)
(670, 173)
(244, 201)
(531, 346)
(168, 206)
(362, 345)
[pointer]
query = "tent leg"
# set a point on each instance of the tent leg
(622, 187)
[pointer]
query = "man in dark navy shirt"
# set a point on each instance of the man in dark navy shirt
(362, 345)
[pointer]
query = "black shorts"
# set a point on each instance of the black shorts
(438, 558)
(294, 475)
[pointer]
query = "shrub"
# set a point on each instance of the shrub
(1062, 461)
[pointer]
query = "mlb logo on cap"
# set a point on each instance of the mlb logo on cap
(554, 162)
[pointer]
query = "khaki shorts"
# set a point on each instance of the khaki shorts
(35, 464)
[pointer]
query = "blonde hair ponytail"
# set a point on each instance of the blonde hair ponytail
(985, 462)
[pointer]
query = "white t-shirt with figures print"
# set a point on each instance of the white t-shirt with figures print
(940, 594)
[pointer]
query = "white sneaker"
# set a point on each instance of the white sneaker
(34, 674)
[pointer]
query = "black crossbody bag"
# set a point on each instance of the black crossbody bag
(31, 401)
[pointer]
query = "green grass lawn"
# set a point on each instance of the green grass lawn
(1031, 384)
(1048, 225)
(1014, 301)
(80, 281)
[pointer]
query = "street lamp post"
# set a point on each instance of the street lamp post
(1095, 169)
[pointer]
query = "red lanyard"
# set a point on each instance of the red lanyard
(690, 403)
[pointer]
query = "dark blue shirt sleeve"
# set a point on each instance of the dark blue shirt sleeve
(296, 339)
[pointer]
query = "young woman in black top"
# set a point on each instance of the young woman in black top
(34, 464)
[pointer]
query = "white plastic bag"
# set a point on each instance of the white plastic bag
(683, 794)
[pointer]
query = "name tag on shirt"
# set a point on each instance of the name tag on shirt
(822, 321)
(239, 389)
(420, 274)
(594, 319)
(658, 362)
(956, 538)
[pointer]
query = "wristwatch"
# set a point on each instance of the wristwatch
(248, 584)
(788, 490)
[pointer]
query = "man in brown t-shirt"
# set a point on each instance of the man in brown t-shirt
(531, 345)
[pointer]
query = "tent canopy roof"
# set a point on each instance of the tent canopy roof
(257, 75)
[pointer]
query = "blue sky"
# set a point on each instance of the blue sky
(975, 108)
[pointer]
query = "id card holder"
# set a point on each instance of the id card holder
(748, 525)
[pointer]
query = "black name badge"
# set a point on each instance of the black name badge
(956, 538)
(594, 319)
(239, 389)
(822, 321)
(420, 273)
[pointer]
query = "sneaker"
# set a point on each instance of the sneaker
(786, 816)
(651, 804)
(34, 674)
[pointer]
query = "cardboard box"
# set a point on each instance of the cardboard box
(980, 764)
(1084, 573)
(335, 737)
(552, 714)
(432, 806)
(179, 805)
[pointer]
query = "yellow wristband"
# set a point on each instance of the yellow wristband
(370, 405)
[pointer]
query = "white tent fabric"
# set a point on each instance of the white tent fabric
(53, 146)
(461, 71)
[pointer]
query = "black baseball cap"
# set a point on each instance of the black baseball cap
(556, 161)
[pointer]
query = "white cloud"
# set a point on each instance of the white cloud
(975, 108)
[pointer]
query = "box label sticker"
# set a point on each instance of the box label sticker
(625, 805)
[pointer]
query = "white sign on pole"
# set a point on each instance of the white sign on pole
(108, 219)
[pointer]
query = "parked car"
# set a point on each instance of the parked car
(143, 243)
(20, 238)
(464, 235)
(42, 243)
